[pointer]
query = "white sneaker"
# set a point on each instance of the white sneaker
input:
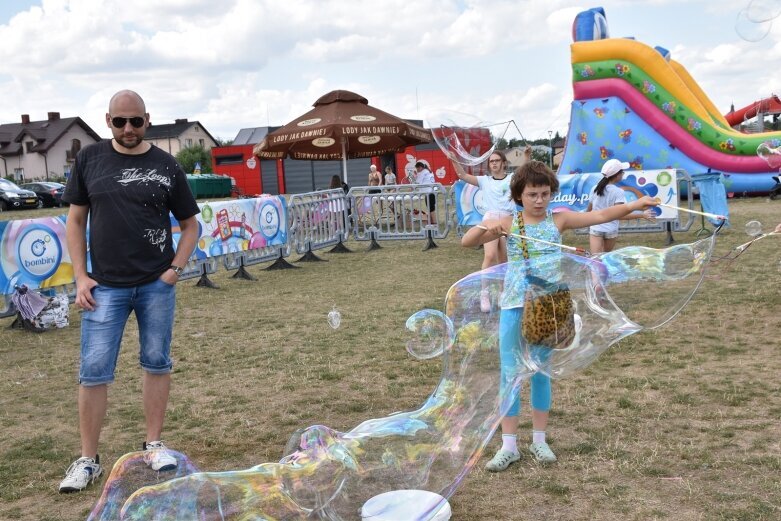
(157, 456)
(81, 473)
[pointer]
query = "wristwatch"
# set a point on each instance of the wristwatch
(177, 269)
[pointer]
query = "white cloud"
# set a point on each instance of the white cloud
(243, 63)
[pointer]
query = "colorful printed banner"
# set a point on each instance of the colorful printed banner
(238, 225)
(575, 190)
(34, 251)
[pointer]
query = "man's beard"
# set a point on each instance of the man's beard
(129, 144)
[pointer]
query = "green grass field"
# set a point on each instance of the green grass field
(681, 423)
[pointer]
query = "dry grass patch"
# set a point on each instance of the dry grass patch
(679, 423)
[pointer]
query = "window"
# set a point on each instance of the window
(200, 142)
(19, 174)
(229, 160)
(188, 143)
(28, 145)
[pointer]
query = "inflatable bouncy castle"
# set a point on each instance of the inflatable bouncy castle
(635, 103)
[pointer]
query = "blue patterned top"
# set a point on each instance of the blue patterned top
(515, 277)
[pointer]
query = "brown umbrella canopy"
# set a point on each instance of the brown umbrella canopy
(342, 125)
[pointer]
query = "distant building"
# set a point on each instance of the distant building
(34, 150)
(173, 137)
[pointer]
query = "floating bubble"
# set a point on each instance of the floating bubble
(759, 11)
(433, 333)
(770, 153)
(334, 318)
(749, 30)
(753, 228)
(464, 138)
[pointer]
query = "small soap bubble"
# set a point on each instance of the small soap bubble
(334, 318)
(753, 228)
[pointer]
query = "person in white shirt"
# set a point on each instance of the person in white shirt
(602, 237)
(425, 177)
(390, 177)
(495, 189)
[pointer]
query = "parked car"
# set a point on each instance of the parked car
(12, 197)
(49, 193)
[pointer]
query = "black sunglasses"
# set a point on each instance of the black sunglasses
(120, 122)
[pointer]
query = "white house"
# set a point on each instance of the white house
(34, 150)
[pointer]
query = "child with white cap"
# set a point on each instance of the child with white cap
(602, 237)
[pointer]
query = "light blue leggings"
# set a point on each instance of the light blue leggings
(510, 360)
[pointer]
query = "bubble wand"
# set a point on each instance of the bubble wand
(711, 215)
(558, 245)
(745, 245)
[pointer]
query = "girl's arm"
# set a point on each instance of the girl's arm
(648, 215)
(489, 230)
(571, 220)
(461, 173)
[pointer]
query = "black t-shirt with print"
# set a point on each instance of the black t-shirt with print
(129, 199)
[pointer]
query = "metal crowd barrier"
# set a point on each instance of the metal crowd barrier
(400, 212)
(317, 220)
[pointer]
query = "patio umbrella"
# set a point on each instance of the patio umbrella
(341, 125)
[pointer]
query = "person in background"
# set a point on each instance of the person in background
(603, 237)
(125, 188)
(495, 189)
(532, 187)
(425, 177)
(375, 178)
(390, 177)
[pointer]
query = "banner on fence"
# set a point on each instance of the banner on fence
(575, 191)
(34, 252)
(238, 225)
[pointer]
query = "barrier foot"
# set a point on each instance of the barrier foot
(281, 264)
(309, 256)
(374, 245)
(669, 239)
(430, 240)
(205, 282)
(242, 273)
(340, 248)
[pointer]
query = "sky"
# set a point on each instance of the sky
(234, 64)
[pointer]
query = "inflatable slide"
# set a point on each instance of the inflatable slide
(635, 103)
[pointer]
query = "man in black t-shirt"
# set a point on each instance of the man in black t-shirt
(125, 188)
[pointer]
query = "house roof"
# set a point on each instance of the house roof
(173, 130)
(46, 133)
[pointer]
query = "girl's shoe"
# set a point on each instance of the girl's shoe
(542, 453)
(502, 460)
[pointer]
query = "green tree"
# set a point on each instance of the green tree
(187, 157)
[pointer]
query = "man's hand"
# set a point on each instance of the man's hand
(169, 276)
(84, 297)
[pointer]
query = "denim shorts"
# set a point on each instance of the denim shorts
(102, 329)
(605, 235)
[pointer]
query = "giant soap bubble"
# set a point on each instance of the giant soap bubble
(464, 138)
(332, 475)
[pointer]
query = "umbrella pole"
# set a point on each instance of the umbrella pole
(344, 159)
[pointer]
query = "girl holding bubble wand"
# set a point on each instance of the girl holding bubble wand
(603, 237)
(532, 187)
(495, 189)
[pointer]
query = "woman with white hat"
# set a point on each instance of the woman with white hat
(602, 237)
